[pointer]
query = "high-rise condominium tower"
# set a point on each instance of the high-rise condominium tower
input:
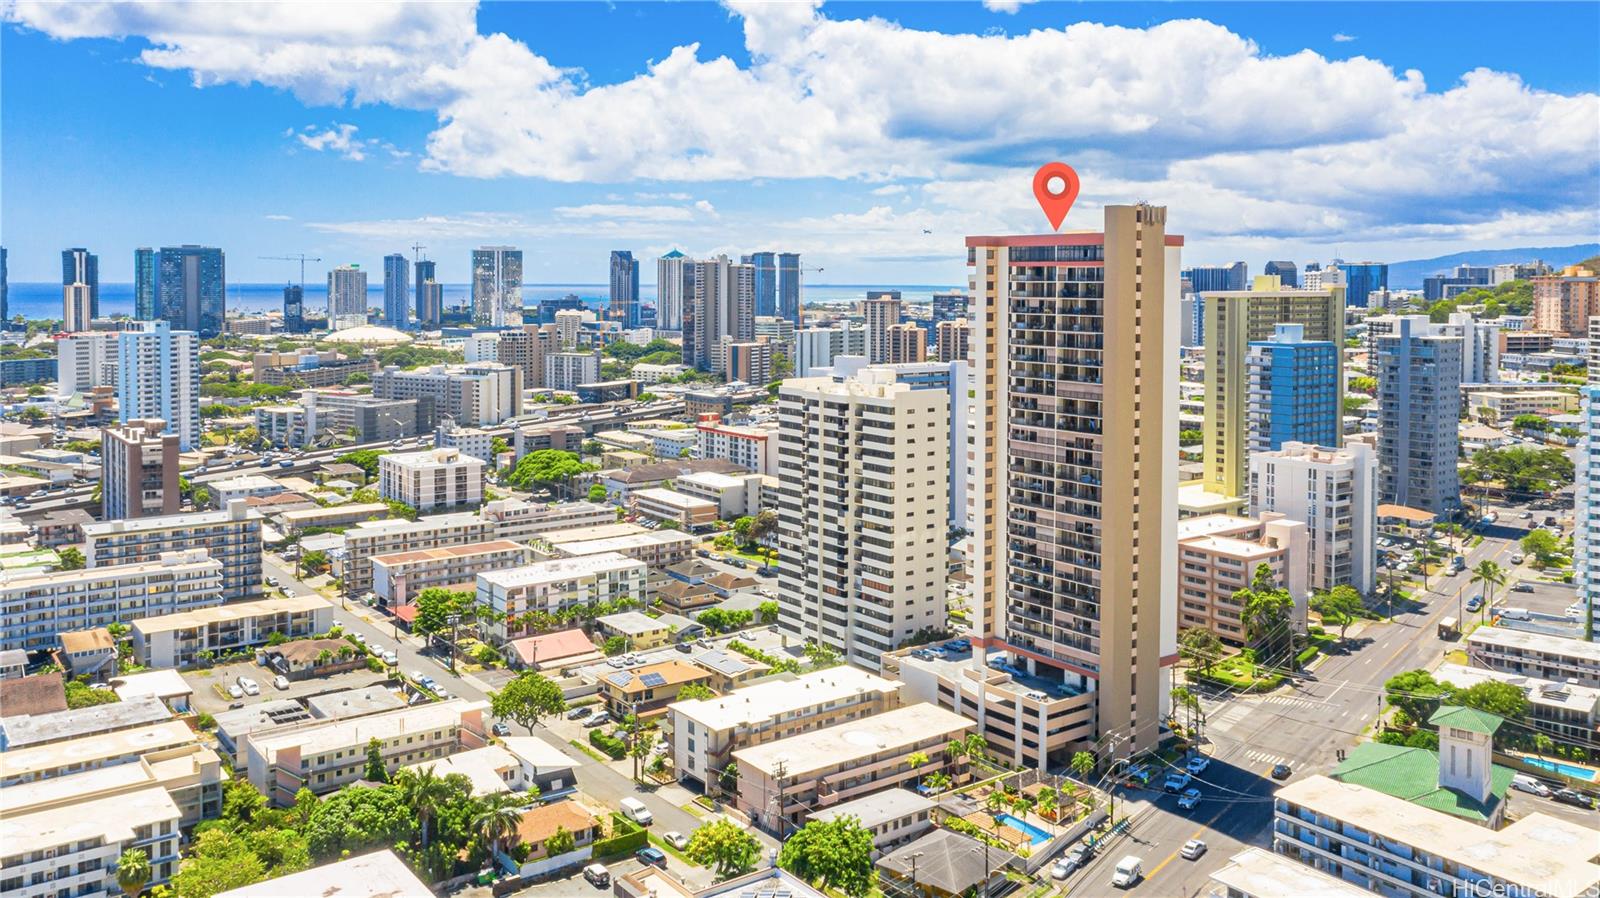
(139, 466)
(158, 376)
(721, 310)
(430, 295)
(624, 305)
(881, 313)
(396, 290)
(1073, 488)
(76, 307)
(1233, 320)
(1294, 391)
(497, 286)
(192, 286)
(79, 266)
(766, 283)
(674, 289)
(144, 284)
(1419, 404)
(294, 309)
(789, 287)
(347, 297)
(863, 466)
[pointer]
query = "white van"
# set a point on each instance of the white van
(1526, 783)
(1128, 873)
(634, 810)
(1515, 614)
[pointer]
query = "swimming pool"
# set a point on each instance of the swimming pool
(1035, 834)
(1577, 773)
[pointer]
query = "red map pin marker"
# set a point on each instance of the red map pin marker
(1055, 203)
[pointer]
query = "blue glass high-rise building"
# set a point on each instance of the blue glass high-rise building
(624, 305)
(294, 309)
(5, 293)
(766, 265)
(1288, 274)
(1361, 278)
(1294, 393)
(430, 295)
(396, 290)
(144, 284)
(789, 287)
(79, 266)
(1216, 278)
(192, 288)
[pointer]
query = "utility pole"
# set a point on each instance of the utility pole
(780, 772)
(454, 619)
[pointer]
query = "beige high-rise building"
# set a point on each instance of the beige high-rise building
(864, 466)
(952, 337)
(1073, 460)
(1563, 303)
(139, 467)
(907, 343)
(881, 313)
(1233, 319)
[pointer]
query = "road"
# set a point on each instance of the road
(1304, 725)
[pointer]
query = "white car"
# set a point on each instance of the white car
(1517, 558)
(1192, 849)
(235, 691)
(251, 687)
(676, 840)
(1191, 797)
(280, 682)
(359, 638)
(390, 658)
(1198, 764)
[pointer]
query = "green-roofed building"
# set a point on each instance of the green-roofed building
(1460, 778)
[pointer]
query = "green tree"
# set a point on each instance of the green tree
(1544, 547)
(1363, 384)
(1082, 764)
(724, 846)
(559, 842)
(597, 492)
(696, 691)
(424, 792)
(1491, 575)
(315, 561)
(365, 459)
(833, 853)
(1267, 612)
(822, 655)
(767, 611)
(80, 695)
(936, 782)
(547, 466)
(497, 818)
(527, 699)
(1340, 605)
(71, 559)
(1522, 469)
(354, 820)
(1200, 647)
(1529, 422)
(1415, 693)
(764, 526)
(218, 861)
(435, 606)
(741, 529)
(614, 645)
(133, 871)
(1190, 436)
(1495, 697)
(377, 771)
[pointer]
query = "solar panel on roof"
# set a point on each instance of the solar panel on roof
(651, 680)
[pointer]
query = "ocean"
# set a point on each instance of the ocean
(35, 300)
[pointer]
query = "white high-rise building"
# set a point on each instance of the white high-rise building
(861, 530)
(77, 304)
(1334, 492)
(881, 313)
(431, 479)
(497, 286)
(1586, 525)
(347, 297)
(674, 289)
(158, 376)
(85, 360)
(723, 306)
(816, 348)
(565, 370)
(1480, 347)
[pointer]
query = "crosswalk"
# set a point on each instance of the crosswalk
(1289, 701)
(1266, 759)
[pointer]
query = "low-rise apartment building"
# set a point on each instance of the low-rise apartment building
(326, 755)
(65, 840)
(1218, 555)
(1535, 655)
(639, 629)
(521, 521)
(549, 586)
(35, 608)
(332, 516)
(1504, 405)
(231, 536)
(1564, 711)
(753, 447)
(166, 754)
(53, 727)
(176, 640)
(822, 768)
(893, 817)
(647, 691)
(704, 733)
(369, 539)
(398, 577)
(1259, 873)
(434, 479)
(656, 548)
(1028, 720)
(686, 511)
(735, 495)
(1393, 847)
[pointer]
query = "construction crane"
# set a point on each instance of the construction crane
(416, 250)
(302, 258)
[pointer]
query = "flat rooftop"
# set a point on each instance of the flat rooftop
(1193, 497)
(559, 569)
(672, 498)
(59, 726)
(1215, 525)
(850, 742)
(446, 553)
(882, 807)
(1552, 693)
(333, 512)
(632, 623)
(376, 875)
(1538, 851)
(392, 526)
(354, 702)
(1263, 874)
(28, 763)
(594, 531)
(314, 738)
(112, 818)
(221, 614)
(167, 522)
(1588, 652)
(621, 543)
(759, 703)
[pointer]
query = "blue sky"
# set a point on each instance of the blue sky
(1301, 130)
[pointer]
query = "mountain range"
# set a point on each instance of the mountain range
(1408, 275)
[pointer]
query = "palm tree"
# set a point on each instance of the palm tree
(1083, 764)
(1048, 801)
(425, 792)
(1542, 744)
(133, 871)
(995, 801)
(956, 749)
(917, 759)
(1490, 575)
(977, 746)
(498, 819)
(936, 782)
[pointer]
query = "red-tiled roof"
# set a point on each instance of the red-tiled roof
(549, 647)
